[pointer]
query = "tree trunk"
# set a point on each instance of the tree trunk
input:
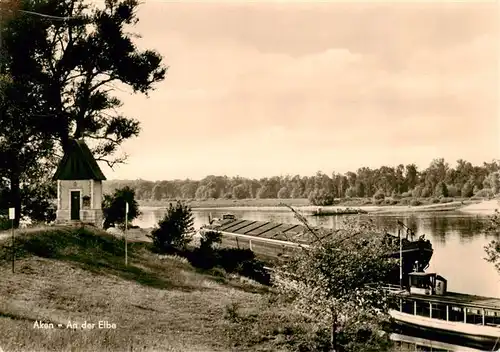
(333, 333)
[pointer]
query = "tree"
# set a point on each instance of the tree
(173, 230)
(441, 190)
(493, 248)
(114, 206)
(283, 193)
(468, 189)
(337, 283)
(240, 192)
(321, 197)
(71, 68)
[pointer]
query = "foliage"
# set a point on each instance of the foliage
(338, 284)
(379, 194)
(321, 197)
(61, 81)
(113, 207)
(402, 181)
(441, 190)
(39, 203)
(173, 230)
(468, 189)
(5, 223)
(493, 248)
(209, 239)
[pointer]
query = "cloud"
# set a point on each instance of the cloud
(367, 85)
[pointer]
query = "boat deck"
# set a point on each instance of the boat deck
(274, 230)
(460, 299)
(269, 230)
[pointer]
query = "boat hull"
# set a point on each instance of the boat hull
(474, 336)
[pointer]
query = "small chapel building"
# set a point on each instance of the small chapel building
(79, 187)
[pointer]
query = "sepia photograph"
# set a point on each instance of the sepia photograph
(237, 175)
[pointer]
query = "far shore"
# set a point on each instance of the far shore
(372, 206)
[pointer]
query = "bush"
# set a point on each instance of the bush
(467, 190)
(113, 207)
(5, 223)
(484, 193)
(173, 230)
(321, 197)
(232, 260)
(441, 190)
(453, 191)
(415, 203)
(406, 194)
(395, 195)
(446, 200)
(379, 194)
(435, 200)
(209, 238)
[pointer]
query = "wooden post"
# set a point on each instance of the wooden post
(250, 244)
(447, 312)
(414, 307)
(125, 233)
(430, 310)
(465, 314)
(483, 313)
(237, 243)
(400, 304)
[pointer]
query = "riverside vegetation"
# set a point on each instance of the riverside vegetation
(386, 185)
(174, 296)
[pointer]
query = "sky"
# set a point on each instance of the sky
(274, 88)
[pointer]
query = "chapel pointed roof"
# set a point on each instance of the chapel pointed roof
(78, 163)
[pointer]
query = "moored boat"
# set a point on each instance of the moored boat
(429, 308)
(416, 253)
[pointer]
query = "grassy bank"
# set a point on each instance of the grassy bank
(299, 202)
(157, 303)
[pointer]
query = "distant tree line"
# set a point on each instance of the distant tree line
(438, 180)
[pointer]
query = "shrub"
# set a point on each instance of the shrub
(395, 195)
(415, 202)
(467, 190)
(441, 190)
(453, 191)
(484, 193)
(209, 238)
(320, 197)
(5, 223)
(435, 200)
(173, 230)
(379, 194)
(113, 207)
(446, 200)
(406, 194)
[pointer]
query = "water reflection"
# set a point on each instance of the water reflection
(458, 240)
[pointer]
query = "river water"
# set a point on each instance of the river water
(458, 239)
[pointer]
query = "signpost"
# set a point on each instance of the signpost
(125, 233)
(12, 216)
(400, 259)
